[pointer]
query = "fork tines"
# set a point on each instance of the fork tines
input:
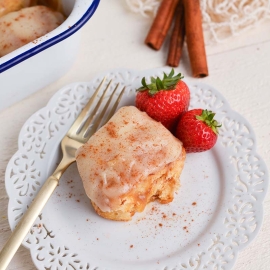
(94, 120)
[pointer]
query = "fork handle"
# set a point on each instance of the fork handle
(27, 221)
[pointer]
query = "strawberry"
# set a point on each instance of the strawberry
(164, 100)
(197, 130)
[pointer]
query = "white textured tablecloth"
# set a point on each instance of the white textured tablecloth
(113, 38)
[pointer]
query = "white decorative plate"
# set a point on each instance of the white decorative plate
(216, 213)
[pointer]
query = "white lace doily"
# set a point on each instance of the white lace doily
(221, 18)
(216, 213)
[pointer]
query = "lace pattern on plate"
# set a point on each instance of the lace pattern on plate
(238, 224)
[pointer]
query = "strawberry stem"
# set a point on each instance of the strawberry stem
(167, 83)
(208, 118)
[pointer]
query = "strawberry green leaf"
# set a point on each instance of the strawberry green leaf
(208, 118)
(164, 76)
(159, 84)
(144, 82)
(211, 116)
(171, 73)
(168, 82)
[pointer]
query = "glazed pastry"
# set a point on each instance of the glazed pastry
(7, 6)
(129, 162)
(21, 27)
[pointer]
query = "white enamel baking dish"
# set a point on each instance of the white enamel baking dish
(35, 65)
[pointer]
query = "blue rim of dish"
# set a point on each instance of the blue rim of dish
(74, 28)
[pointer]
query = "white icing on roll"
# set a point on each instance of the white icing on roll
(130, 147)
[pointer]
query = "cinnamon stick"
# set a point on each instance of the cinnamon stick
(177, 37)
(161, 24)
(194, 38)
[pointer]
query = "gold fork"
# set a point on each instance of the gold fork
(77, 135)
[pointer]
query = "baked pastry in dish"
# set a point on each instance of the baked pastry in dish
(7, 6)
(21, 27)
(129, 162)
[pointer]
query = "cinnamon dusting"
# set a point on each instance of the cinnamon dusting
(112, 130)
